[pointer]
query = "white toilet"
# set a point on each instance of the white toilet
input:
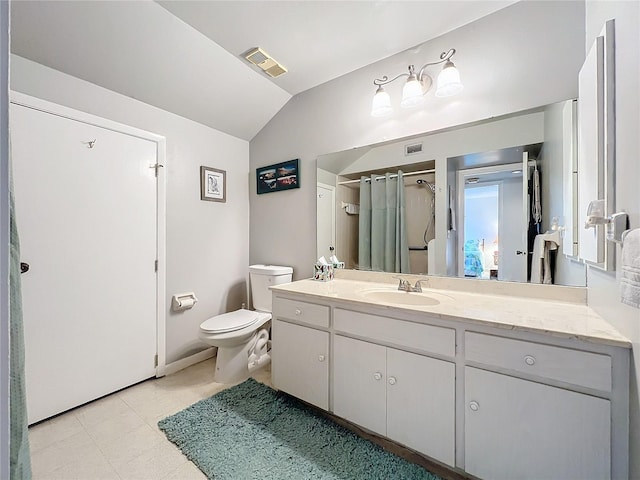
(237, 334)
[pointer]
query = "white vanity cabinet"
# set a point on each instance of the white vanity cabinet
(526, 428)
(484, 398)
(404, 396)
(518, 429)
(300, 360)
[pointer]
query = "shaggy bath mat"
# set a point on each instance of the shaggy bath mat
(251, 432)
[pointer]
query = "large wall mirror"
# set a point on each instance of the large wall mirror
(491, 200)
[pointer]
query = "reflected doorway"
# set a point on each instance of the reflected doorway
(492, 223)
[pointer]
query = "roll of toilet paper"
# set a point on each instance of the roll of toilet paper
(183, 301)
(186, 302)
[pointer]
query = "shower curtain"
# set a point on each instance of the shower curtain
(19, 461)
(383, 244)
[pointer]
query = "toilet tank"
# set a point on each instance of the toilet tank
(262, 277)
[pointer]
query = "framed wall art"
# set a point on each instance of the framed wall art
(213, 184)
(281, 176)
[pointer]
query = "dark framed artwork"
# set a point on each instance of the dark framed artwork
(281, 176)
(213, 184)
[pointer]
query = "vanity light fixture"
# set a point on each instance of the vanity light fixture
(417, 85)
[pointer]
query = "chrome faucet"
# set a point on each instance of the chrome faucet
(405, 285)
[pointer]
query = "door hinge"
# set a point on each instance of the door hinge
(155, 265)
(155, 360)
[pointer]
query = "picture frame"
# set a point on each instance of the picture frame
(213, 184)
(278, 177)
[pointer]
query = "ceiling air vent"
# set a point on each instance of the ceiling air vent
(261, 59)
(413, 149)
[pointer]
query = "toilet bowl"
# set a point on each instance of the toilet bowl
(242, 345)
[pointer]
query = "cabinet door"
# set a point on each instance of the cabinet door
(421, 404)
(516, 429)
(300, 364)
(359, 383)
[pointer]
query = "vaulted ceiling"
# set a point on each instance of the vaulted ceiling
(186, 56)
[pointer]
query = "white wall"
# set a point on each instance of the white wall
(523, 56)
(207, 242)
(604, 288)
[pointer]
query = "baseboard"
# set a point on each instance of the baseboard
(183, 363)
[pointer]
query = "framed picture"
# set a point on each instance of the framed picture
(213, 184)
(281, 176)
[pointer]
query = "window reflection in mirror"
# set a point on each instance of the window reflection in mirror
(442, 218)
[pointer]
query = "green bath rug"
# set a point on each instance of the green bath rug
(252, 432)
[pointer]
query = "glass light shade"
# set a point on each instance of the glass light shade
(381, 104)
(412, 94)
(449, 81)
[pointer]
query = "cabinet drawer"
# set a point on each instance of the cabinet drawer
(591, 370)
(402, 333)
(302, 312)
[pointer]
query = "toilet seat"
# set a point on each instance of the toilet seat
(230, 322)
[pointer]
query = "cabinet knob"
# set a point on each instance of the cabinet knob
(298, 311)
(474, 406)
(321, 358)
(529, 360)
(377, 376)
(392, 380)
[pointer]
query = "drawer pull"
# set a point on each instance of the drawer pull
(474, 406)
(392, 380)
(377, 376)
(321, 358)
(298, 311)
(529, 360)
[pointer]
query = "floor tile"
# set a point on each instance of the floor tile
(65, 452)
(47, 433)
(100, 410)
(88, 468)
(186, 471)
(153, 464)
(132, 445)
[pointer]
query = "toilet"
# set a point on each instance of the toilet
(242, 344)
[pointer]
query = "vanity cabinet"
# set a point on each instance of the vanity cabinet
(493, 402)
(404, 396)
(300, 363)
(520, 429)
(545, 431)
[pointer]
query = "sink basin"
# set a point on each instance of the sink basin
(400, 298)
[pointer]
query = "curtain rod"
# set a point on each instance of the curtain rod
(382, 177)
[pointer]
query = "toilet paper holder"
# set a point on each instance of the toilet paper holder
(183, 301)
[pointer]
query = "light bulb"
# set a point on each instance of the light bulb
(381, 104)
(449, 81)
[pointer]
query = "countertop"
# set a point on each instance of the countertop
(550, 317)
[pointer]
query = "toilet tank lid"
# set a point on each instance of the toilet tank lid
(270, 270)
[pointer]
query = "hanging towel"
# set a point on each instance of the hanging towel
(541, 259)
(630, 279)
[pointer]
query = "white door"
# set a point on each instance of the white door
(513, 225)
(326, 215)
(300, 362)
(86, 213)
(517, 429)
(421, 404)
(360, 383)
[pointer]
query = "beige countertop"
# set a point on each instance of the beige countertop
(552, 317)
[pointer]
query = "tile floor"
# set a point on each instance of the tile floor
(117, 437)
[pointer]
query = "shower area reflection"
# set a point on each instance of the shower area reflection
(419, 215)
